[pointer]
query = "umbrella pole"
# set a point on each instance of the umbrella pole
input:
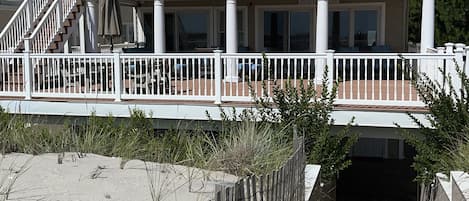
(112, 45)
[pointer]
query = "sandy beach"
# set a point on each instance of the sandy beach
(95, 177)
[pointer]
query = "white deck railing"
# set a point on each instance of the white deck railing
(20, 24)
(366, 79)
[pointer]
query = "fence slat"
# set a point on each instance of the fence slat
(268, 189)
(241, 190)
(248, 189)
(274, 186)
(284, 184)
(218, 196)
(228, 194)
(261, 185)
(254, 189)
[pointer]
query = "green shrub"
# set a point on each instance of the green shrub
(449, 122)
(310, 110)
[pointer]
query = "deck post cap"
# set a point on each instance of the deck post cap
(449, 44)
(460, 45)
(459, 48)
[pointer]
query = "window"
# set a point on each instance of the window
(355, 28)
(287, 31)
(187, 30)
(170, 28)
(192, 30)
(275, 31)
(339, 29)
(299, 31)
(201, 29)
(366, 29)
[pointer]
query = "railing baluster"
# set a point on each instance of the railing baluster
(388, 65)
(403, 80)
(395, 78)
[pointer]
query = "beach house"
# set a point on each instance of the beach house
(182, 59)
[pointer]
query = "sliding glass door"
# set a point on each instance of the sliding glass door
(300, 25)
(366, 29)
(287, 31)
(275, 31)
(193, 28)
(339, 30)
(355, 29)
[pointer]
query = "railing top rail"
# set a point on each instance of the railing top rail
(169, 56)
(44, 19)
(393, 55)
(10, 55)
(164, 54)
(287, 54)
(246, 55)
(9, 24)
(55, 55)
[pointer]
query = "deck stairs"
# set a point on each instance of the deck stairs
(45, 24)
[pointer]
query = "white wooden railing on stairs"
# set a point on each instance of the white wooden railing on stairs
(22, 22)
(51, 25)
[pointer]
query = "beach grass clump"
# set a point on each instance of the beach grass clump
(250, 148)
(19, 134)
(106, 136)
(456, 159)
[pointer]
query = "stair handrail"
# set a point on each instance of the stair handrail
(51, 24)
(20, 24)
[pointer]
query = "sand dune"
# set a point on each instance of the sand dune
(95, 178)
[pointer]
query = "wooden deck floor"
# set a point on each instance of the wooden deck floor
(347, 90)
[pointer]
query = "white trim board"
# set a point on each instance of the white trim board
(192, 112)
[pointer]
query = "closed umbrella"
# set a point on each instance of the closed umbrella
(110, 21)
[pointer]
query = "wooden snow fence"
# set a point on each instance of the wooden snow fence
(284, 184)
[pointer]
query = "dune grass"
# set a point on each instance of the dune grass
(243, 148)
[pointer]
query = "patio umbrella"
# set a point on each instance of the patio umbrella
(110, 21)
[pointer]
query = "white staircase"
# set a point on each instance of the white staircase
(21, 24)
(44, 24)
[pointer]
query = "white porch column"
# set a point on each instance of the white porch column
(81, 27)
(158, 26)
(428, 25)
(321, 26)
(231, 40)
(321, 37)
(91, 36)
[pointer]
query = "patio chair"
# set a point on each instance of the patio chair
(147, 80)
(47, 74)
(250, 71)
(72, 77)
